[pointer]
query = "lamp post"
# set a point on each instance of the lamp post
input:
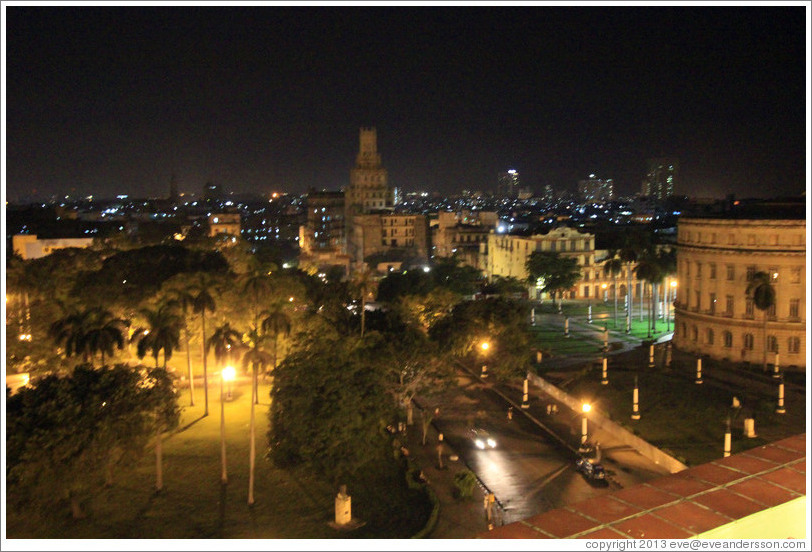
(224, 472)
(776, 369)
(229, 373)
(727, 439)
(605, 299)
(698, 380)
(589, 313)
(604, 373)
(485, 345)
(635, 404)
(585, 408)
(525, 395)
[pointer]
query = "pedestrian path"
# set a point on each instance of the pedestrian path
(458, 518)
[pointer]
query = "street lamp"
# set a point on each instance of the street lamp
(605, 292)
(485, 346)
(229, 374)
(226, 373)
(585, 408)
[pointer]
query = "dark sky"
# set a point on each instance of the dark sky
(109, 100)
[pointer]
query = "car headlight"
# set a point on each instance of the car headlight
(479, 444)
(491, 443)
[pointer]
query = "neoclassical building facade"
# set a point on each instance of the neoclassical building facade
(716, 259)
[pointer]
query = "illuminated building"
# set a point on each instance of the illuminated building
(661, 177)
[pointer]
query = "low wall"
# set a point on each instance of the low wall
(623, 435)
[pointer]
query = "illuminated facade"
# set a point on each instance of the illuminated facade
(28, 246)
(224, 223)
(716, 259)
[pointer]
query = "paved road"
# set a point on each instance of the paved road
(529, 471)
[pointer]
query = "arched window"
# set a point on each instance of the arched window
(694, 333)
(728, 337)
(772, 344)
(748, 342)
(709, 336)
(794, 345)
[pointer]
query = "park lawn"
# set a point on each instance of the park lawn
(684, 419)
(193, 504)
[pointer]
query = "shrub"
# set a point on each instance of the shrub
(464, 483)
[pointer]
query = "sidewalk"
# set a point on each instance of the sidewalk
(458, 518)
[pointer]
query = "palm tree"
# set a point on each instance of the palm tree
(105, 333)
(223, 340)
(613, 266)
(70, 331)
(161, 332)
(649, 270)
(182, 297)
(258, 285)
(276, 323)
(204, 301)
(762, 293)
(256, 356)
(364, 283)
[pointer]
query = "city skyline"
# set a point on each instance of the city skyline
(258, 99)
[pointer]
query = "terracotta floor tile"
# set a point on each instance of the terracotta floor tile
(561, 523)
(787, 478)
(763, 492)
(692, 517)
(649, 527)
(714, 474)
(679, 484)
(728, 504)
(604, 533)
(645, 497)
(606, 509)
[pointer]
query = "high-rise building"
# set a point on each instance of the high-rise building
(508, 185)
(596, 190)
(661, 177)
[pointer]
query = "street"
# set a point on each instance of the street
(529, 471)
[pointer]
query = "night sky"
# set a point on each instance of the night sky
(114, 100)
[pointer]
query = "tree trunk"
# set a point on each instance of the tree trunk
(252, 451)
(159, 472)
(224, 472)
(409, 413)
(189, 367)
(205, 373)
(615, 284)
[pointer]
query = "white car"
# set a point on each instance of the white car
(482, 439)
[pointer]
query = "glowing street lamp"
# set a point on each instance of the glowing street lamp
(485, 346)
(605, 293)
(585, 408)
(229, 374)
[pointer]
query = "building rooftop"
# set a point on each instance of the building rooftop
(681, 505)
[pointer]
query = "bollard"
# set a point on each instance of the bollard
(749, 428)
(605, 339)
(567, 327)
(635, 405)
(727, 440)
(779, 409)
(533, 316)
(698, 371)
(525, 397)
(776, 370)
(538, 356)
(484, 371)
(589, 314)
(651, 356)
(628, 324)
(604, 375)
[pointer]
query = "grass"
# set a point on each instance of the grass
(677, 415)
(193, 504)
